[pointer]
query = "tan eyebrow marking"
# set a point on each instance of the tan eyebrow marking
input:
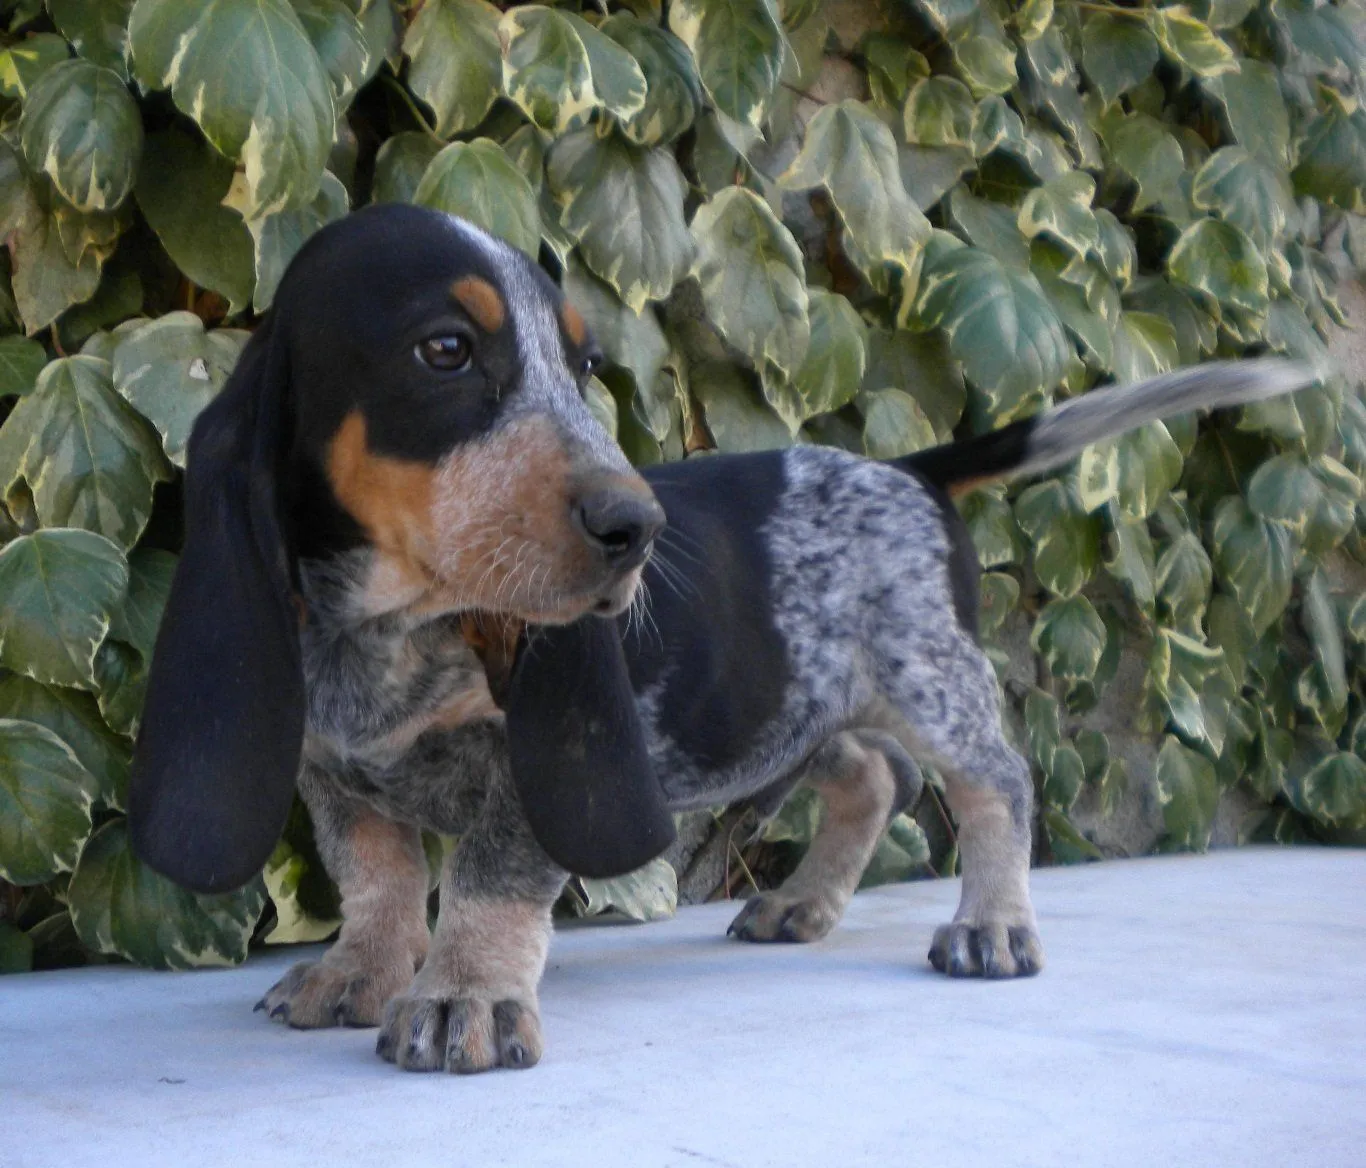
(573, 323)
(482, 301)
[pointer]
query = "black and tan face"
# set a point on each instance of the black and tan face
(439, 380)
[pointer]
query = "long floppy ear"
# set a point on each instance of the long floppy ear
(578, 754)
(222, 726)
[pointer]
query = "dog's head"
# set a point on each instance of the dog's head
(416, 395)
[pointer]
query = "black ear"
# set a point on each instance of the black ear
(222, 726)
(578, 754)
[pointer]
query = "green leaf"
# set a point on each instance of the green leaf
(1335, 790)
(1168, 308)
(1145, 150)
(1133, 562)
(900, 855)
(339, 39)
(1042, 722)
(56, 252)
(999, 594)
(558, 68)
(1149, 466)
(894, 66)
(21, 361)
(1253, 195)
(61, 588)
(278, 237)
(1050, 90)
(1315, 501)
(1064, 777)
(647, 894)
(852, 154)
(1070, 636)
(832, 371)
(89, 460)
(136, 620)
(894, 424)
(673, 97)
(1321, 623)
(121, 672)
(400, 165)
(993, 227)
(1062, 210)
(118, 905)
(753, 284)
(738, 46)
(477, 181)
(1254, 560)
(97, 29)
(736, 415)
(999, 325)
(1183, 579)
(246, 71)
(23, 64)
(294, 924)
(1066, 540)
(1190, 42)
(920, 364)
(45, 801)
(633, 341)
(624, 206)
(83, 130)
(74, 717)
(1117, 53)
(1219, 260)
(1255, 110)
(16, 949)
(1332, 159)
(1322, 35)
(991, 523)
(1188, 790)
(171, 368)
(1098, 475)
(982, 54)
(939, 112)
(180, 190)
(1067, 843)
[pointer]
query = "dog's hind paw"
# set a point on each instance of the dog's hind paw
(991, 949)
(316, 994)
(770, 916)
(460, 1034)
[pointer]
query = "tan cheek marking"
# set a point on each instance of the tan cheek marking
(494, 641)
(390, 498)
(502, 507)
(573, 323)
(482, 301)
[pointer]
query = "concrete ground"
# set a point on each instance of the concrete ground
(1195, 1011)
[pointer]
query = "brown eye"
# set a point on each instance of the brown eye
(449, 353)
(591, 364)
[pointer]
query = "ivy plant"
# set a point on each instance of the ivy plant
(879, 226)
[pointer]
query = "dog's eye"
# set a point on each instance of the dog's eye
(449, 353)
(590, 365)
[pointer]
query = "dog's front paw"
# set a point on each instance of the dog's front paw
(989, 949)
(322, 993)
(771, 916)
(460, 1032)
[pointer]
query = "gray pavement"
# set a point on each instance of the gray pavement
(1195, 1011)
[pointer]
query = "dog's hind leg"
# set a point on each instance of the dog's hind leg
(381, 871)
(949, 697)
(863, 777)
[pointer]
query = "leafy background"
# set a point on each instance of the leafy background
(873, 225)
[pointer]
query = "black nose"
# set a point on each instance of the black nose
(619, 523)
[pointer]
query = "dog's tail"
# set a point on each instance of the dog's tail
(1057, 435)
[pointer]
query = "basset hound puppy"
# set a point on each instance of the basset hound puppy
(422, 585)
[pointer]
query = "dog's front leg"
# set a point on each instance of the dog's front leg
(381, 871)
(473, 1005)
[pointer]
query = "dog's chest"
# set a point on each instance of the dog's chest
(376, 687)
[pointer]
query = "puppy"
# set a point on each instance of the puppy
(410, 561)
